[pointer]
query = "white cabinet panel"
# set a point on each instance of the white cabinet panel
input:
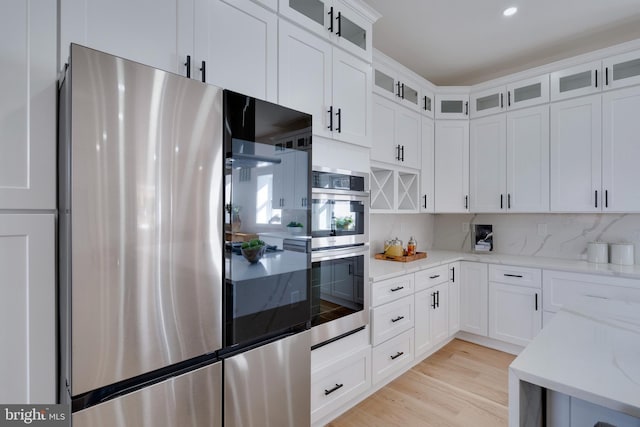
(487, 102)
(28, 105)
(583, 79)
(392, 356)
(515, 313)
(487, 163)
(621, 150)
(454, 298)
(27, 309)
(452, 106)
(426, 279)
(528, 92)
(528, 160)
(622, 70)
(427, 153)
(389, 290)
(227, 35)
(575, 158)
(390, 319)
(473, 298)
(439, 315)
(452, 166)
(396, 134)
(422, 327)
(158, 33)
(521, 276)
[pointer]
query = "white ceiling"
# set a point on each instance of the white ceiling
(464, 42)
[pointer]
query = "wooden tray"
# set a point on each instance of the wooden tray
(418, 255)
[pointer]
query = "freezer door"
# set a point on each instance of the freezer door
(146, 219)
(190, 400)
(269, 386)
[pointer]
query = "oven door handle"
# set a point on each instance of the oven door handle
(329, 254)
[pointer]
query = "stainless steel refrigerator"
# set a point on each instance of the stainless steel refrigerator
(144, 280)
(141, 218)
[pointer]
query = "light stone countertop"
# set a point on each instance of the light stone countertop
(381, 270)
(589, 350)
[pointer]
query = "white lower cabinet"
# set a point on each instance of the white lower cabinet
(473, 298)
(454, 298)
(515, 303)
(27, 309)
(392, 356)
(431, 308)
(390, 319)
(340, 371)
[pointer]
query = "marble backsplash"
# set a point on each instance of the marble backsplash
(546, 235)
(388, 226)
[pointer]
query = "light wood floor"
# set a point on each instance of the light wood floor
(462, 384)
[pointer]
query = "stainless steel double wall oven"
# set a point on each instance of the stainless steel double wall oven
(340, 256)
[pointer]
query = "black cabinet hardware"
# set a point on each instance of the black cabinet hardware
(397, 289)
(509, 99)
(501, 204)
(466, 202)
(402, 91)
(350, 268)
(398, 354)
(606, 198)
(502, 100)
(596, 78)
(433, 300)
(397, 319)
(606, 76)
(437, 298)
(339, 114)
(536, 301)
(402, 153)
(513, 275)
(188, 65)
(339, 18)
(398, 152)
(204, 71)
(398, 89)
(435, 276)
(328, 392)
(453, 274)
(330, 13)
(425, 201)
(425, 103)
(330, 111)
(596, 198)
(509, 201)
(466, 108)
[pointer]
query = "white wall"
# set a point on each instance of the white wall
(566, 235)
(388, 226)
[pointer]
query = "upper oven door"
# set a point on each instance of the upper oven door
(339, 220)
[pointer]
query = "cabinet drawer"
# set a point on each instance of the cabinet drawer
(392, 356)
(522, 276)
(335, 384)
(560, 288)
(389, 320)
(389, 290)
(426, 279)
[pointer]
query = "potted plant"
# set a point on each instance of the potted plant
(295, 227)
(344, 223)
(253, 250)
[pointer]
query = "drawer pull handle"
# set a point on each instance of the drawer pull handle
(328, 392)
(397, 289)
(434, 276)
(397, 319)
(398, 354)
(513, 275)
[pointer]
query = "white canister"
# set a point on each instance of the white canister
(622, 254)
(598, 252)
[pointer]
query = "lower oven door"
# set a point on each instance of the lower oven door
(339, 292)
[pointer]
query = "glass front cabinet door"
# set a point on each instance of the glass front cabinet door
(622, 70)
(581, 80)
(454, 106)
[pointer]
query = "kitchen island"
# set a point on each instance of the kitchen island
(581, 369)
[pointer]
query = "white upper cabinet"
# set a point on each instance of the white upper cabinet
(329, 84)
(427, 151)
(487, 164)
(427, 102)
(528, 92)
(621, 150)
(528, 160)
(583, 79)
(452, 166)
(575, 157)
(158, 33)
(509, 161)
(622, 70)
(520, 94)
(237, 63)
(396, 133)
(452, 106)
(392, 83)
(346, 24)
(28, 105)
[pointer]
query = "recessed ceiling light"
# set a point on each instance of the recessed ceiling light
(510, 11)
